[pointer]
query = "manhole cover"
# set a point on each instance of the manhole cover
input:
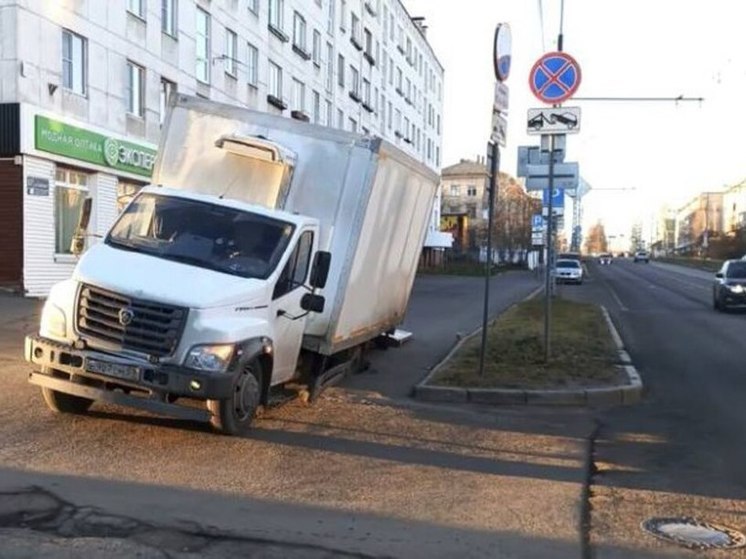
(694, 534)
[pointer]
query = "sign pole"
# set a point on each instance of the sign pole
(501, 60)
(550, 256)
(494, 183)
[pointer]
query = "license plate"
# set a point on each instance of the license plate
(124, 372)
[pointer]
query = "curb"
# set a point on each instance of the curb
(625, 394)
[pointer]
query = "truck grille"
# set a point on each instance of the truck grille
(123, 322)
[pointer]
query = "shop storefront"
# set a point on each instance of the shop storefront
(48, 166)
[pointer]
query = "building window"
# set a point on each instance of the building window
(299, 34)
(355, 35)
(252, 65)
(299, 95)
(125, 193)
(340, 70)
(71, 189)
(328, 113)
(369, 54)
(136, 8)
(366, 94)
(316, 108)
(471, 190)
(135, 89)
(329, 67)
(277, 15)
(342, 15)
(340, 119)
(203, 46)
(168, 17)
(330, 17)
(353, 125)
(399, 81)
(274, 84)
(455, 190)
(167, 88)
(354, 83)
(316, 48)
(74, 62)
(231, 49)
(254, 7)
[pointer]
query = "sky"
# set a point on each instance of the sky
(659, 152)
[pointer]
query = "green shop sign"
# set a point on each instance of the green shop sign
(77, 143)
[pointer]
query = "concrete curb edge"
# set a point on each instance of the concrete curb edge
(612, 395)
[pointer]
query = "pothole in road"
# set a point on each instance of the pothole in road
(694, 534)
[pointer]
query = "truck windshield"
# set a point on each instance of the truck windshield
(214, 237)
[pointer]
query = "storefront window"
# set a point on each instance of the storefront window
(71, 188)
(125, 192)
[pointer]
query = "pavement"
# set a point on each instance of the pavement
(364, 472)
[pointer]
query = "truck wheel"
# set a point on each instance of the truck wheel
(65, 403)
(233, 416)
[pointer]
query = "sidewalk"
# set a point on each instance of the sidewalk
(18, 316)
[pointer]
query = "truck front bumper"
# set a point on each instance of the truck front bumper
(112, 378)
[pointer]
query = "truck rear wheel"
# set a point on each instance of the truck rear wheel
(65, 403)
(233, 416)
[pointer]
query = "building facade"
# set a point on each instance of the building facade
(84, 87)
(698, 221)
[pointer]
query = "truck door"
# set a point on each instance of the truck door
(288, 316)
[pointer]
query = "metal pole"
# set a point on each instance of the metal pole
(494, 182)
(550, 256)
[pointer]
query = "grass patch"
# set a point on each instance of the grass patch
(710, 265)
(583, 352)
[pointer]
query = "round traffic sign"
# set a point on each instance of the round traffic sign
(501, 51)
(555, 77)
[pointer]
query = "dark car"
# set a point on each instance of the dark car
(642, 256)
(729, 289)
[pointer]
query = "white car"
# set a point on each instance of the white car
(568, 271)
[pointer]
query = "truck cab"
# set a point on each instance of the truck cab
(187, 296)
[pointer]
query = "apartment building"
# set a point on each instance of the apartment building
(84, 87)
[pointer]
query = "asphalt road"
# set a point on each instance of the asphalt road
(364, 471)
(682, 452)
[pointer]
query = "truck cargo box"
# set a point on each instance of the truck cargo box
(372, 200)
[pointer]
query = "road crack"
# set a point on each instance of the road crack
(39, 510)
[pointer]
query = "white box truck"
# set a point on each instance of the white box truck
(267, 251)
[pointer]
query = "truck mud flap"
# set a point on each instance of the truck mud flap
(328, 378)
(119, 398)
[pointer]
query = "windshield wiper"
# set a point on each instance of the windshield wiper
(186, 259)
(125, 245)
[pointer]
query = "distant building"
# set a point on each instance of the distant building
(84, 87)
(663, 231)
(463, 200)
(734, 208)
(697, 221)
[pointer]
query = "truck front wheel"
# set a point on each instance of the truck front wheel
(65, 403)
(233, 416)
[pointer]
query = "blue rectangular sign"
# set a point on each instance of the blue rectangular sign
(558, 198)
(537, 221)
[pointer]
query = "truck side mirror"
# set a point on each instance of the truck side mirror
(320, 269)
(77, 245)
(312, 303)
(719, 275)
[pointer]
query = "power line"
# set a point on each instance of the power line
(642, 99)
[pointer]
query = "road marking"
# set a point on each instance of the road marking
(616, 298)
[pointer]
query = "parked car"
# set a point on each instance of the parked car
(642, 256)
(605, 258)
(569, 256)
(568, 271)
(729, 289)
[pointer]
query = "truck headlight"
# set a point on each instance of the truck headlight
(736, 288)
(213, 358)
(53, 321)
